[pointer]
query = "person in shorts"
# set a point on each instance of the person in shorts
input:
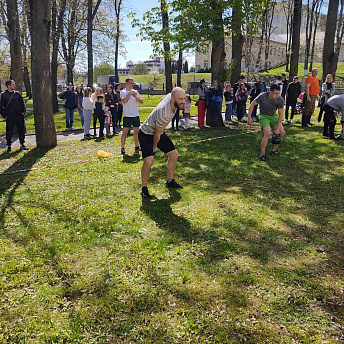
(269, 103)
(152, 137)
(131, 118)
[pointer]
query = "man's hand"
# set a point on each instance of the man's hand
(134, 93)
(309, 99)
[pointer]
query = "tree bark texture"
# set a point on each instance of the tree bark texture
(237, 43)
(118, 8)
(57, 26)
(41, 77)
(167, 48)
(329, 61)
(15, 45)
(180, 67)
(295, 45)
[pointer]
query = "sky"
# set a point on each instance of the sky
(138, 50)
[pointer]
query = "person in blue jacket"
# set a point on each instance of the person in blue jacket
(70, 105)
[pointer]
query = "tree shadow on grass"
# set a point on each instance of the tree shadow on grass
(13, 177)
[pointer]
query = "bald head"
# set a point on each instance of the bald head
(314, 71)
(178, 98)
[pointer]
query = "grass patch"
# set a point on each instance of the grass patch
(247, 252)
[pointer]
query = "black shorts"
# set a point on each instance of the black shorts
(146, 143)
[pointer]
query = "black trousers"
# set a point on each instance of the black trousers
(119, 115)
(176, 119)
(292, 104)
(11, 122)
(114, 115)
(329, 121)
(101, 119)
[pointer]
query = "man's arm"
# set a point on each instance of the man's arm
(137, 97)
(2, 107)
(127, 97)
(250, 110)
(280, 119)
(157, 134)
(62, 95)
(22, 104)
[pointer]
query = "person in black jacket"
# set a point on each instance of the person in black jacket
(259, 87)
(12, 108)
(293, 92)
(284, 85)
(70, 105)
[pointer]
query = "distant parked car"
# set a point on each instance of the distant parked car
(141, 86)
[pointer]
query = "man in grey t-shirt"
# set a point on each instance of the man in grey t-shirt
(152, 137)
(335, 103)
(269, 102)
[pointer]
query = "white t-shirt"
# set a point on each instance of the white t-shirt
(130, 108)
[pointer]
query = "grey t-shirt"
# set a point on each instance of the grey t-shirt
(269, 107)
(159, 117)
(337, 103)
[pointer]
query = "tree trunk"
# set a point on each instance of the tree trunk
(89, 43)
(15, 45)
(237, 42)
(118, 7)
(70, 75)
(57, 26)
(26, 80)
(295, 45)
(180, 67)
(218, 56)
(90, 17)
(167, 49)
(329, 61)
(41, 80)
(317, 14)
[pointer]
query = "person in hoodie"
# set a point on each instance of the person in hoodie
(70, 104)
(12, 109)
(293, 92)
(87, 105)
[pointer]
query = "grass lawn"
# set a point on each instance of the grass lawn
(247, 252)
(280, 70)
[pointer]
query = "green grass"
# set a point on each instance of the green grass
(280, 70)
(247, 252)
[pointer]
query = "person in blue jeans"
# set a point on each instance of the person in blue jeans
(70, 104)
(229, 103)
(216, 105)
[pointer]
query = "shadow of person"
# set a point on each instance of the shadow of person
(161, 212)
(131, 159)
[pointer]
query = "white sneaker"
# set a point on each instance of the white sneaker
(291, 120)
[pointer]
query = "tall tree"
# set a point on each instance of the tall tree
(167, 47)
(40, 13)
(118, 4)
(15, 44)
(237, 41)
(316, 22)
(295, 45)
(288, 7)
(91, 13)
(57, 27)
(329, 62)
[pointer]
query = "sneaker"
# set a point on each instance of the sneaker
(23, 147)
(264, 157)
(275, 152)
(173, 184)
(87, 137)
(137, 150)
(309, 124)
(145, 193)
(291, 120)
(122, 151)
(326, 137)
(9, 149)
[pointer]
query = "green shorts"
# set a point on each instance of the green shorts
(268, 121)
(129, 122)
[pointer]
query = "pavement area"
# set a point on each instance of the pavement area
(76, 134)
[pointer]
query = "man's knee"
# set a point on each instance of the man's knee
(173, 155)
(148, 161)
(267, 132)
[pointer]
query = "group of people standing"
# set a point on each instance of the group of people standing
(88, 105)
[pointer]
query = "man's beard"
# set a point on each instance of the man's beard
(177, 106)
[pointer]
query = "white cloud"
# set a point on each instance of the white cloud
(139, 42)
